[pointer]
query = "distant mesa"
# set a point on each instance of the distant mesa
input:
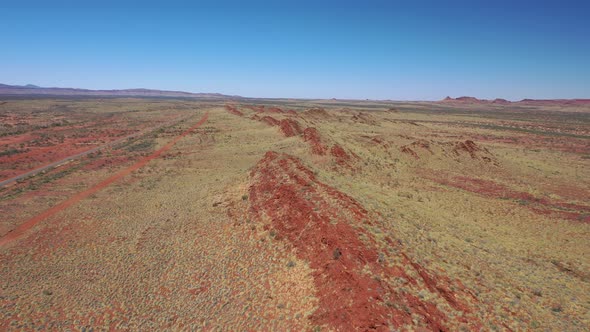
(465, 100)
(532, 102)
(500, 101)
(35, 90)
(469, 100)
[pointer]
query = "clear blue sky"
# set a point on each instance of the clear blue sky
(404, 50)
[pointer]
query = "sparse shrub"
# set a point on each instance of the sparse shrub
(9, 152)
(145, 145)
(337, 253)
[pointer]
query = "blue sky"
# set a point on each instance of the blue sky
(403, 50)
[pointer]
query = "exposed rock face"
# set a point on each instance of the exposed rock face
(355, 288)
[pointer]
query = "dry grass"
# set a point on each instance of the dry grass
(172, 246)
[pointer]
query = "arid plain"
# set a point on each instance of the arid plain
(331, 215)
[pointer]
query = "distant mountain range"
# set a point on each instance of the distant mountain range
(32, 90)
(535, 102)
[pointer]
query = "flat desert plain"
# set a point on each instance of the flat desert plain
(327, 215)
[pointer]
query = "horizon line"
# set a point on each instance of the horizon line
(459, 98)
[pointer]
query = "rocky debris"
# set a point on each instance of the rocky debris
(472, 149)
(316, 113)
(539, 205)
(270, 120)
(407, 150)
(341, 157)
(290, 127)
(233, 110)
(256, 108)
(275, 110)
(312, 136)
(365, 118)
(322, 225)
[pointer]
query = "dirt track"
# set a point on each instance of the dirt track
(87, 152)
(21, 229)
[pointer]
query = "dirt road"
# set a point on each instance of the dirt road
(22, 228)
(87, 152)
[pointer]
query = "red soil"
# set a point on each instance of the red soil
(570, 145)
(469, 147)
(274, 110)
(419, 144)
(270, 120)
(233, 110)
(312, 136)
(377, 140)
(290, 127)
(475, 151)
(318, 113)
(407, 150)
(21, 229)
(364, 118)
(16, 139)
(257, 109)
(342, 158)
(423, 144)
(544, 206)
(354, 284)
(35, 155)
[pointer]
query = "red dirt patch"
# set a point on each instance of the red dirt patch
(416, 145)
(379, 141)
(233, 110)
(37, 153)
(317, 113)
(365, 119)
(407, 150)
(543, 206)
(275, 110)
(270, 120)
(22, 228)
(312, 136)
(257, 109)
(290, 127)
(354, 285)
(422, 144)
(342, 158)
(469, 147)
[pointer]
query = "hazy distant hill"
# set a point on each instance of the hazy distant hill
(537, 102)
(30, 89)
